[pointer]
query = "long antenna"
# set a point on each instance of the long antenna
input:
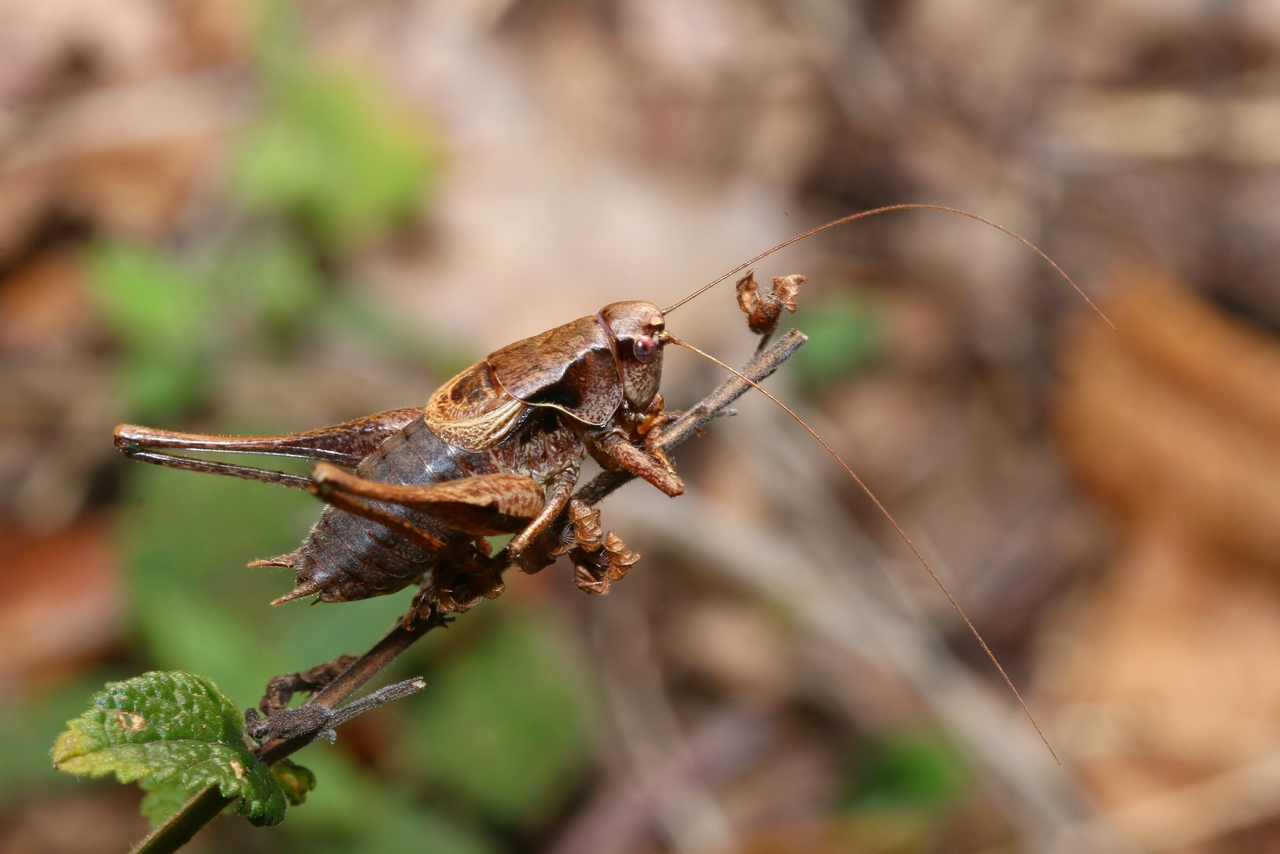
(887, 209)
(668, 338)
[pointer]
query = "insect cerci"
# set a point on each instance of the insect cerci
(412, 494)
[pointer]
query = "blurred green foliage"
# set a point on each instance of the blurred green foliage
(265, 285)
(352, 812)
(178, 319)
(844, 336)
(30, 723)
(508, 724)
(333, 154)
(330, 150)
(157, 310)
(920, 771)
(329, 165)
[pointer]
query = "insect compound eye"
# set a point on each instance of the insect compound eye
(645, 349)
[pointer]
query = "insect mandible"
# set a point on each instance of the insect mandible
(412, 494)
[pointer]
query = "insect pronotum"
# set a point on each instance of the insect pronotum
(412, 494)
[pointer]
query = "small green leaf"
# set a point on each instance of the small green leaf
(170, 726)
(295, 780)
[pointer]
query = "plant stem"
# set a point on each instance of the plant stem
(179, 828)
(204, 805)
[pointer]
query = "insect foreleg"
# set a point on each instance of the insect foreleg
(612, 450)
(345, 444)
(281, 689)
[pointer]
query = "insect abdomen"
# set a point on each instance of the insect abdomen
(348, 557)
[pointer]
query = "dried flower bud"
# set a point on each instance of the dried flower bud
(763, 310)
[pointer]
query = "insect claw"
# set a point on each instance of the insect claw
(593, 571)
(586, 526)
(621, 558)
(585, 580)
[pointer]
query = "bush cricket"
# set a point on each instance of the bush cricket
(412, 494)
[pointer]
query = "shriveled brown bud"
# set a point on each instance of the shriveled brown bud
(763, 310)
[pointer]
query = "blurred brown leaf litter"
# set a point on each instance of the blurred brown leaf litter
(1162, 675)
(278, 215)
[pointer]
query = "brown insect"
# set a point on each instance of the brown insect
(496, 450)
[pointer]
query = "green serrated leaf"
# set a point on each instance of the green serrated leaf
(170, 726)
(295, 780)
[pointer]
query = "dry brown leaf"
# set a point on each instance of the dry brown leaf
(1162, 676)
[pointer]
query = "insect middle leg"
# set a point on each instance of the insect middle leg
(557, 500)
(598, 558)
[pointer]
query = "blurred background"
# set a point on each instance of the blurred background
(273, 216)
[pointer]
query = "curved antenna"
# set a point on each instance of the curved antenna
(668, 338)
(886, 209)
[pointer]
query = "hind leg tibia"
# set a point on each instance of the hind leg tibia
(346, 444)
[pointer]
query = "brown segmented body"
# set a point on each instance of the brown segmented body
(351, 557)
